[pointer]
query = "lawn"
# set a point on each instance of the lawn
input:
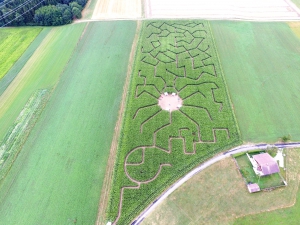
(13, 43)
(58, 175)
(273, 180)
(261, 63)
(287, 215)
(218, 195)
(158, 146)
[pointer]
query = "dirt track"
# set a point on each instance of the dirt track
(106, 9)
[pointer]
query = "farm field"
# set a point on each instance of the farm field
(38, 72)
(13, 43)
(222, 9)
(107, 9)
(218, 195)
(88, 10)
(19, 64)
(159, 146)
(58, 175)
(262, 75)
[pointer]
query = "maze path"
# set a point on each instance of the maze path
(174, 57)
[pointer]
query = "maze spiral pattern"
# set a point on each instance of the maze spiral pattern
(159, 146)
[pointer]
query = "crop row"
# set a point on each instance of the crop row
(156, 146)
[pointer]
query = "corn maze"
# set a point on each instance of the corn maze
(158, 146)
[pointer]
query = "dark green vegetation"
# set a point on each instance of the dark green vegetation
(286, 138)
(53, 15)
(39, 12)
(58, 175)
(13, 43)
(158, 147)
(262, 63)
(273, 180)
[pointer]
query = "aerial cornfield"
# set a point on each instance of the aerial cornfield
(157, 145)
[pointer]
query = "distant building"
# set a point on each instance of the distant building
(264, 164)
(253, 188)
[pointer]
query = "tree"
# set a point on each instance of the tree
(286, 138)
(76, 9)
(48, 16)
(37, 12)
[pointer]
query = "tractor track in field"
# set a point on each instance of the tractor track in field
(217, 158)
(104, 197)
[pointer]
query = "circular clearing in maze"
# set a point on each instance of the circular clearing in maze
(170, 101)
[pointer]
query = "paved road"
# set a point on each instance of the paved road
(177, 184)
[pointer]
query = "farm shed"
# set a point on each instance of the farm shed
(253, 188)
(266, 165)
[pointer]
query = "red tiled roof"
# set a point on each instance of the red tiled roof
(267, 163)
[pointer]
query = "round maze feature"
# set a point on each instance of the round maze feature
(170, 102)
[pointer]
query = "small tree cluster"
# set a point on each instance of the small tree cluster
(59, 14)
(286, 138)
(35, 12)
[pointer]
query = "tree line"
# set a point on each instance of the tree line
(39, 12)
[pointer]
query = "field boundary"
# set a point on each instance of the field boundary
(240, 149)
(105, 192)
(14, 70)
(17, 135)
(224, 80)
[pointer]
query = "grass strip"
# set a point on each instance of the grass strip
(13, 43)
(18, 133)
(19, 64)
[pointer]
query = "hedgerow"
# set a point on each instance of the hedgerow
(157, 147)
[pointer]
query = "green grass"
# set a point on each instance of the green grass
(218, 195)
(13, 43)
(58, 175)
(161, 146)
(19, 64)
(273, 180)
(41, 71)
(13, 141)
(287, 215)
(261, 63)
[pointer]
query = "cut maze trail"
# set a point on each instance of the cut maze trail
(177, 57)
